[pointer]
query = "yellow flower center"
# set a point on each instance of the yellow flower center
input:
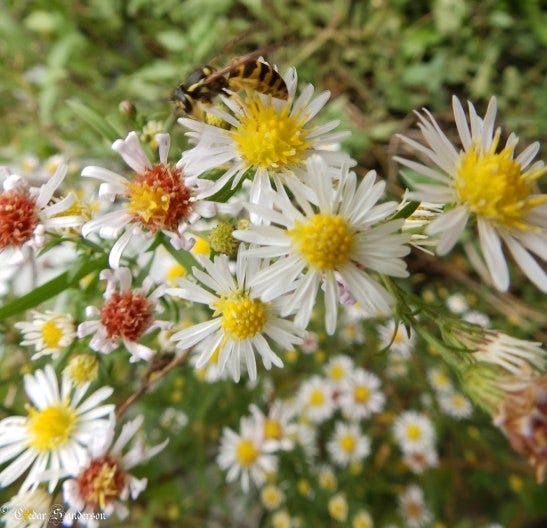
(175, 272)
(148, 202)
(272, 430)
(270, 138)
(51, 334)
(246, 452)
(242, 317)
(492, 185)
(337, 372)
(413, 432)
(361, 394)
(347, 443)
(83, 368)
(317, 398)
(325, 241)
(51, 427)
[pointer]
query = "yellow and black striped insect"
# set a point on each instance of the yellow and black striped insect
(243, 73)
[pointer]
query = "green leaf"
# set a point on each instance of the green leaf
(406, 211)
(96, 121)
(184, 258)
(68, 279)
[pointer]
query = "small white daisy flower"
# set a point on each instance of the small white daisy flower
(27, 510)
(315, 399)
(338, 507)
(278, 424)
(439, 380)
(455, 404)
(310, 342)
(159, 197)
(272, 497)
(495, 188)
(348, 444)
(457, 304)
(103, 483)
(419, 461)
(413, 509)
(338, 369)
(240, 321)
(362, 519)
(56, 432)
(49, 333)
(26, 213)
(246, 456)
(320, 243)
(413, 431)
(400, 340)
(360, 395)
(126, 315)
(271, 136)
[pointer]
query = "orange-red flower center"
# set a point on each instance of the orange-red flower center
(18, 218)
(126, 315)
(102, 482)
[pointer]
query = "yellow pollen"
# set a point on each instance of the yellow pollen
(347, 443)
(242, 317)
(413, 432)
(400, 336)
(104, 485)
(271, 138)
(317, 397)
(493, 186)
(325, 241)
(51, 334)
(361, 394)
(246, 452)
(272, 430)
(51, 427)
(148, 202)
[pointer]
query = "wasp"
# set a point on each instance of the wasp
(243, 73)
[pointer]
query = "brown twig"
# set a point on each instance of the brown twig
(151, 376)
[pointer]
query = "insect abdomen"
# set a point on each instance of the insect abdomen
(256, 75)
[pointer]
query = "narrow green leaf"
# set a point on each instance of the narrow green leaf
(96, 121)
(406, 211)
(64, 281)
(184, 258)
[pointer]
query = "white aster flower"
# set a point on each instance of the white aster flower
(419, 461)
(348, 444)
(159, 197)
(338, 369)
(246, 456)
(413, 509)
(272, 497)
(49, 333)
(362, 519)
(399, 339)
(455, 405)
(414, 432)
(26, 213)
(271, 136)
(315, 399)
(496, 188)
(102, 484)
(240, 321)
(439, 380)
(54, 435)
(28, 510)
(360, 395)
(327, 239)
(338, 507)
(279, 427)
(457, 304)
(126, 315)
